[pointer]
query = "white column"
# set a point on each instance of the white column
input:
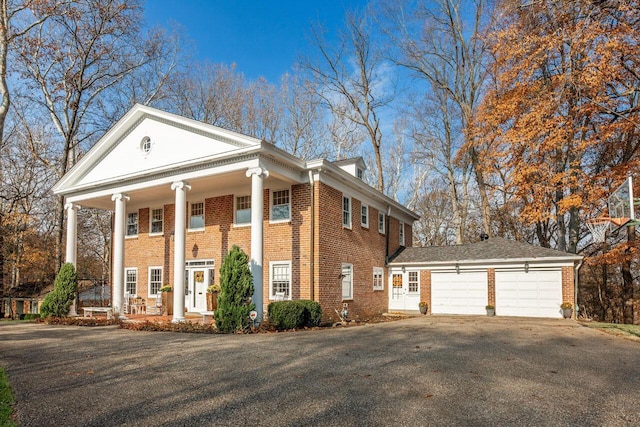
(257, 239)
(179, 238)
(72, 244)
(119, 222)
(72, 233)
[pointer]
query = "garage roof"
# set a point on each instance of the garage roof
(494, 249)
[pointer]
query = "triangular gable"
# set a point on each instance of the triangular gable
(147, 139)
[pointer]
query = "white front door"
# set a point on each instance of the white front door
(404, 290)
(196, 298)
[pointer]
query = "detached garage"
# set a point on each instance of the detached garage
(518, 279)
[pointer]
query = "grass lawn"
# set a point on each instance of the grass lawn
(615, 328)
(6, 401)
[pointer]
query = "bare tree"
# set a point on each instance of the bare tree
(71, 61)
(353, 81)
(442, 43)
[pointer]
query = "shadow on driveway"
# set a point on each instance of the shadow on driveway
(429, 370)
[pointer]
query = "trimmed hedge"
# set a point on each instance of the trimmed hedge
(294, 314)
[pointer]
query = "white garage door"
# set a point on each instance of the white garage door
(532, 294)
(464, 293)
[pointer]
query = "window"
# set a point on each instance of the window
(155, 280)
(280, 206)
(401, 233)
(347, 281)
(380, 223)
(364, 215)
(378, 278)
(360, 173)
(243, 210)
(196, 217)
(132, 224)
(145, 145)
(414, 284)
(346, 211)
(131, 282)
(157, 221)
(280, 278)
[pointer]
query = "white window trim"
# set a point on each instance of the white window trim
(350, 297)
(271, 264)
(126, 230)
(127, 269)
(279, 221)
(384, 219)
(154, 267)
(401, 233)
(364, 206)
(408, 282)
(380, 272)
(204, 215)
(350, 211)
(235, 209)
(157, 233)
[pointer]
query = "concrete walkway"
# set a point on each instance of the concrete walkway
(415, 372)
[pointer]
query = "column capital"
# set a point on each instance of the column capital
(70, 205)
(258, 171)
(180, 185)
(120, 197)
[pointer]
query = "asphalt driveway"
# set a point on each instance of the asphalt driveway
(420, 371)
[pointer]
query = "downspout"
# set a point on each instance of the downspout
(387, 231)
(576, 273)
(312, 238)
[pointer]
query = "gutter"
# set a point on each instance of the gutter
(312, 238)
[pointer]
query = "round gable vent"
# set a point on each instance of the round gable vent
(145, 145)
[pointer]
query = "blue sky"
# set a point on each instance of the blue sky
(262, 37)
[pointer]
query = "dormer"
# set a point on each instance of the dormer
(354, 166)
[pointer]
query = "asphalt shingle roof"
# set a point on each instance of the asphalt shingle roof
(495, 248)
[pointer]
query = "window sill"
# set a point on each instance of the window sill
(248, 224)
(195, 230)
(156, 234)
(280, 221)
(133, 236)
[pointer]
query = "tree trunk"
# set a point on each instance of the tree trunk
(627, 278)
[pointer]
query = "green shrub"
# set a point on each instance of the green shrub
(29, 316)
(294, 314)
(58, 301)
(236, 290)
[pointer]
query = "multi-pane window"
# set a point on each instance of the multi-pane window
(157, 221)
(378, 278)
(347, 281)
(346, 211)
(196, 217)
(280, 206)
(243, 209)
(131, 281)
(402, 234)
(364, 215)
(132, 224)
(155, 280)
(281, 278)
(360, 173)
(380, 222)
(414, 284)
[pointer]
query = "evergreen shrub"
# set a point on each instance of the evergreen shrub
(294, 314)
(58, 301)
(236, 291)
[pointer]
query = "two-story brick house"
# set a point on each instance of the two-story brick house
(313, 229)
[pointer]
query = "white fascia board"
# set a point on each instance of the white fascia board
(343, 181)
(166, 179)
(565, 261)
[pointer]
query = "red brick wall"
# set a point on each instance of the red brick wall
(568, 287)
(425, 287)
(286, 241)
(491, 282)
(360, 246)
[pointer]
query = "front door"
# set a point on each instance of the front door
(196, 297)
(404, 290)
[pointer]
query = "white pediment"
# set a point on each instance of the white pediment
(147, 140)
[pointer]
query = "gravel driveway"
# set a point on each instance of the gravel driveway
(416, 372)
